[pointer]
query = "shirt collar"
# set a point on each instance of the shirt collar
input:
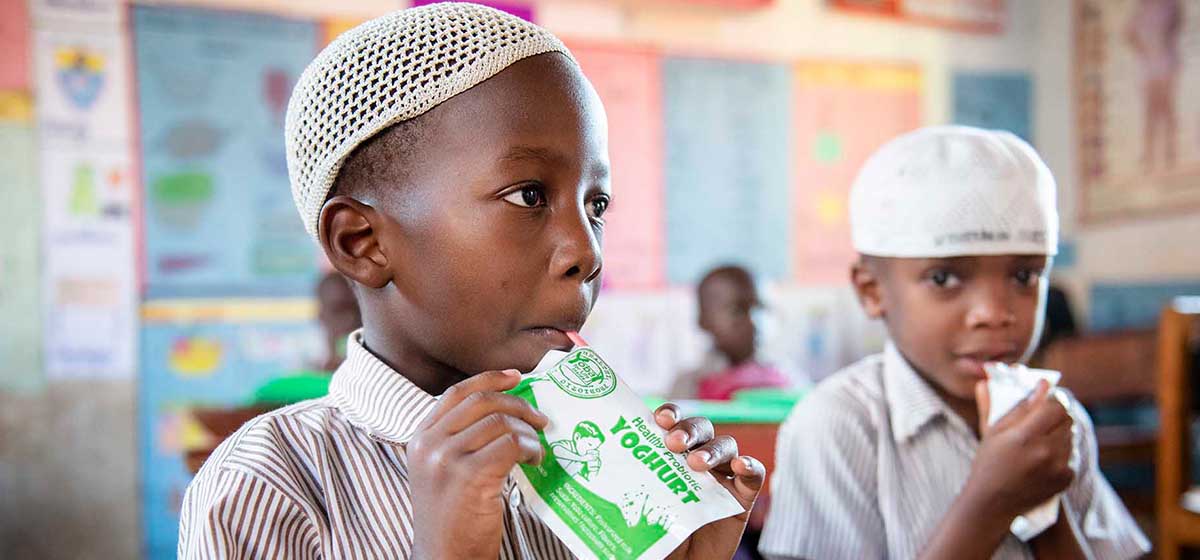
(912, 402)
(375, 397)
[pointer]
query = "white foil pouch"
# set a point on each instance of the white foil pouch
(1008, 385)
(609, 487)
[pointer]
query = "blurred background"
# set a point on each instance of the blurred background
(157, 287)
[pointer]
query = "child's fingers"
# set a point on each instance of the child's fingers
(689, 433)
(479, 405)
(983, 404)
(498, 457)
(487, 381)
(749, 476)
(1047, 416)
(667, 415)
(487, 429)
(719, 451)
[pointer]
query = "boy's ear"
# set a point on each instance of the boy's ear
(865, 279)
(350, 239)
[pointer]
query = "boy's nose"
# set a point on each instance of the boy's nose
(577, 255)
(991, 308)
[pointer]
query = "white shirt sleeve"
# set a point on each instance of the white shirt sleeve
(824, 490)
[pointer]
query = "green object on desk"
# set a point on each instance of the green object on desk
(293, 388)
(749, 406)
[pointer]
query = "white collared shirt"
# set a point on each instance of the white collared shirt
(871, 460)
(328, 478)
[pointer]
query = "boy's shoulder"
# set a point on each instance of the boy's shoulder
(291, 435)
(852, 397)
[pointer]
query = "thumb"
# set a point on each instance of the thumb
(983, 404)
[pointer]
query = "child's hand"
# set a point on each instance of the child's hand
(742, 476)
(458, 463)
(1024, 458)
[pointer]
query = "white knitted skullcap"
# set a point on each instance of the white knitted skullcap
(388, 70)
(947, 191)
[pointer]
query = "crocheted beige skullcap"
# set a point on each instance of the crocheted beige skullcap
(389, 70)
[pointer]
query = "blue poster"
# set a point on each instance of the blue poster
(213, 89)
(186, 365)
(997, 100)
(1118, 306)
(728, 175)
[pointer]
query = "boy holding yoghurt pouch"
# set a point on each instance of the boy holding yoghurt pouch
(452, 162)
(944, 446)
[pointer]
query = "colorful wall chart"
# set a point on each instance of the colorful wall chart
(88, 281)
(995, 100)
(213, 362)
(727, 176)
(629, 83)
(219, 216)
(1137, 68)
(841, 113)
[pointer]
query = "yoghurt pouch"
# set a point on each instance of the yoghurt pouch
(608, 486)
(1008, 385)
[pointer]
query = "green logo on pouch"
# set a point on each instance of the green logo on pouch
(584, 375)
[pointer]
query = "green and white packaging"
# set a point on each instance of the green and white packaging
(609, 487)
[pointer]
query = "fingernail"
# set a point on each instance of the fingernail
(746, 462)
(668, 413)
(512, 373)
(682, 437)
(703, 455)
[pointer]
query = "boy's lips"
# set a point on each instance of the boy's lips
(554, 333)
(972, 362)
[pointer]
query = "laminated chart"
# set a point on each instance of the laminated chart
(728, 182)
(219, 216)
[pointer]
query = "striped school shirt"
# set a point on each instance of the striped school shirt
(869, 463)
(328, 478)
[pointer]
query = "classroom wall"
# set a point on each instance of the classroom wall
(68, 469)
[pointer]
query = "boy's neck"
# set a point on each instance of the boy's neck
(427, 374)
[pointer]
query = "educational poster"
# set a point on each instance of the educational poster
(190, 361)
(728, 182)
(994, 100)
(984, 16)
(82, 88)
(523, 10)
(1137, 70)
(629, 84)
(841, 113)
(88, 282)
(89, 285)
(219, 217)
(15, 72)
(20, 330)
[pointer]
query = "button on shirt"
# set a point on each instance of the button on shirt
(328, 478)
(870, 462)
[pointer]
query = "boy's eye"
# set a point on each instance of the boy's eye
(1028, 277)
(599, 206)
(943, 279)
(530, 196)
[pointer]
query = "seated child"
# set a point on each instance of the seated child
(452, 162)
(892, 457)
(728, 300)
